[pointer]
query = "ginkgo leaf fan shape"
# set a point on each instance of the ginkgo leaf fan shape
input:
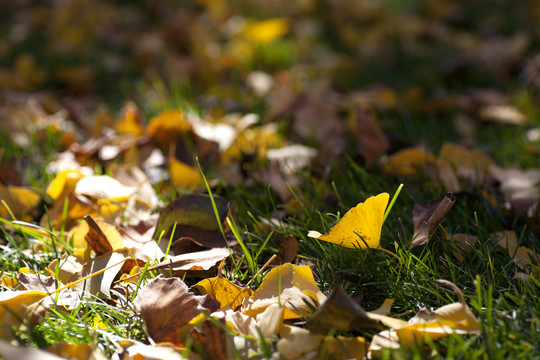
(360, 226)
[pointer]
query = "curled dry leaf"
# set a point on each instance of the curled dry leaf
(427, 217)
(166, 307)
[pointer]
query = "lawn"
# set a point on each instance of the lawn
(269, 180)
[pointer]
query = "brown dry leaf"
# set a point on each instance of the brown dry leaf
(20, 201)
(211, 338)
(456, 161)
(372, 140)
(224, 291)
(408, 162)
(85, 239)
(427, 217)
(342, 313)
(296, 284)
(166, 307)
(96, 238)
(287, 251)
(201, 260)
(14, 306)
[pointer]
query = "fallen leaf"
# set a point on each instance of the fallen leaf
(184, 176)
(96, 238)
(340, 312)
(360, 227)
(345, 348)
(166, 306)
(130, 121)
(287, 251)
(289, 285)
(269, 322)
(201, 260)
(372, 141)
(426, 218)
(455, 161)
(19, 200)
(211, 338)
(296, 342)
(13, 308)
(222, 290)
(192, 210)
(168, 127)
(408, 162)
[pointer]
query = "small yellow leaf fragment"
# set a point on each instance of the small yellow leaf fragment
(168, 127)
(183, 176)
(19, 200)
(289, 285)
(224, 291)
(13, 306)
(360, 227)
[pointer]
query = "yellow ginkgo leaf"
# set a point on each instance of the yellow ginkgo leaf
(360, 226)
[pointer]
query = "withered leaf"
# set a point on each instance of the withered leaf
(287, 250)
(96, 238)
(342, 313)
(192, 210)
(166, 306)
(427, 217)
(201, 260)
(212, 339)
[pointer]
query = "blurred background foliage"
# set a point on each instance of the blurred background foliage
(418, 49)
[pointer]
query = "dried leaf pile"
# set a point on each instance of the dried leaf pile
(124, 210)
